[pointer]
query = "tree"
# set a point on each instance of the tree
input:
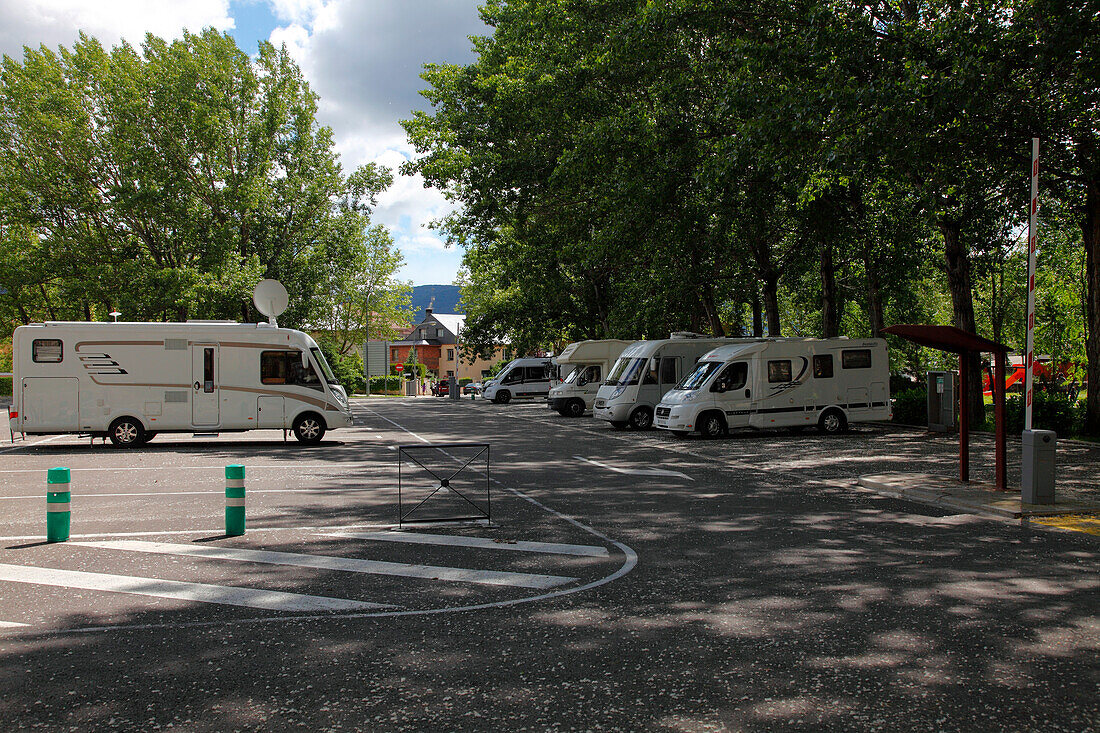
(166, 183)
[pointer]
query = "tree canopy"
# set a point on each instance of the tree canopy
(166, 181)
(625, 169)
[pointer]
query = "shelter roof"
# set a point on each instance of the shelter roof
(945, 338)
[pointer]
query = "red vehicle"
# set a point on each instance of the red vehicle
(442, 389)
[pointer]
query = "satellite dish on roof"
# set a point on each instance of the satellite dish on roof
(271, 299)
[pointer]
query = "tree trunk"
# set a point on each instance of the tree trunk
(706, 299)
(830, 298)
(874, 297)
(1090, 228)
(962, 303)
(757, 314)
(771, 302)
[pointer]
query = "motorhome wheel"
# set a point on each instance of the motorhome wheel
(503, 397)
(833, 422)
(713, 425)
(309, 428)
(126, 432)
(575, 407)
(641, 419)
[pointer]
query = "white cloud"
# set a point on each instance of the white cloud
(55, 23)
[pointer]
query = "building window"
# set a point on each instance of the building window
(439, 333)
(855, 358)
(450, 373)
(46, 351)
(393, 354)
(450, 354)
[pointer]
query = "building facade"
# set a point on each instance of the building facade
(437, 340)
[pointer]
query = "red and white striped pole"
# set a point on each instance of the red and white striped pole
(1032, 257)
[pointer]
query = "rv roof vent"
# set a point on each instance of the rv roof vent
(686, 335)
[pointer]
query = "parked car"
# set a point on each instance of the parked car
(472, 388)
(442, 389)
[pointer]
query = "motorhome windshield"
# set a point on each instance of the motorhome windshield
(325, 368)
(626, 372)
(699, 375)
(574, 375)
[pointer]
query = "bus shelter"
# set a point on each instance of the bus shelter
(956, 341)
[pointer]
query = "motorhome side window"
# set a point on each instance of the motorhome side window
(285, 367)
(46, 351)
(823, 366)
(855, 358)
(536, 373)
(668, 370)
(513, 377)
(734, 376)
(779, 371)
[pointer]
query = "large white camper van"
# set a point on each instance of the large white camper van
(590, 362)
(645, 371)
(781, 382)
(130, 381)
(520, 378)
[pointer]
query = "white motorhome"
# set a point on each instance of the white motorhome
(130, 381)
(645, 371)
(521, 378)
(590, 362)
(781, 382)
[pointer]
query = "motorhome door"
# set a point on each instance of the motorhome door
(204, 387)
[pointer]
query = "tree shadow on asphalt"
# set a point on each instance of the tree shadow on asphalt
(760, 602)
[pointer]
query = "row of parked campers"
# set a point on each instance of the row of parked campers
(690, 383)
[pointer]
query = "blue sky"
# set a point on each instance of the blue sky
(363, 57)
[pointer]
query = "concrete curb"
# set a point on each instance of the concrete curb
(972, 499)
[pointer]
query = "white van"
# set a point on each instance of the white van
(521, 378)
(591, 360)
(781, 382)
(645, 371)
(130, 381)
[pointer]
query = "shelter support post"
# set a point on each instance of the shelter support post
(1001, 438)
(964, 418)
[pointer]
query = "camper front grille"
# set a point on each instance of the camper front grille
(175, 395)
(663, 411)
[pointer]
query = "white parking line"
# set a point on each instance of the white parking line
(637, 471)
(551, 548)
(335, 490)
(268, 600)
(345, 564)
(288, 467)
(11, 625)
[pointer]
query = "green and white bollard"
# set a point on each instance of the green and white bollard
(234, 500)
(58, 496)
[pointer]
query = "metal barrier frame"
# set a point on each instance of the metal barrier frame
(403, 452)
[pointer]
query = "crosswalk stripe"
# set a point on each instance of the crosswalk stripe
(550, 548)
(268, 600)
(346, 564)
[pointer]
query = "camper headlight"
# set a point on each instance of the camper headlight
(689, 397)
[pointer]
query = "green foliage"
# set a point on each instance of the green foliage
(165, 182)
(386, 385)
(911, 407)
(627, 169)
(1050, 411)
(5, 387)
(348, 368)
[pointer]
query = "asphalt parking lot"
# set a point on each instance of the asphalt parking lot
(626, 582)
